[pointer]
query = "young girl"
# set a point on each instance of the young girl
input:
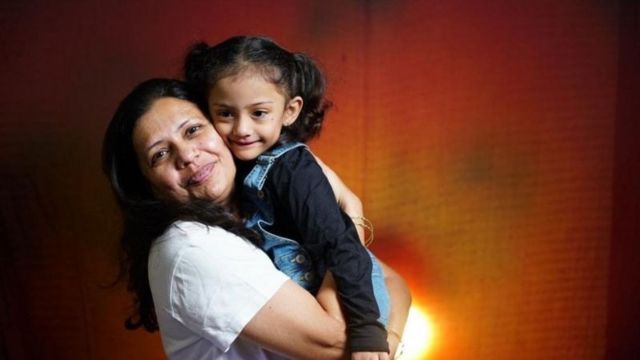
(266, 102)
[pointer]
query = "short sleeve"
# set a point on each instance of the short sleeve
(219, 283)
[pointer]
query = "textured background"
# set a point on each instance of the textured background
(493, 143)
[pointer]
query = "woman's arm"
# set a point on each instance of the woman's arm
(400, 298)
(212, 282)
(294, 324)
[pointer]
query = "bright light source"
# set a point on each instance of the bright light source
(418, 335)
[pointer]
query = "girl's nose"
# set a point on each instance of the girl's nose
(242, 127)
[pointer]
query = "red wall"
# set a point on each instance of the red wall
(493, 145)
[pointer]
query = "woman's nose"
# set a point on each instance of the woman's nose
(185, 156)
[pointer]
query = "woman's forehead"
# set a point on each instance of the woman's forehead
(166, 115)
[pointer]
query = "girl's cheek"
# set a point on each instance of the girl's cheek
(223, 129)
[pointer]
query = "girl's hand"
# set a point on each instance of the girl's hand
(361, 355)
(393, 341)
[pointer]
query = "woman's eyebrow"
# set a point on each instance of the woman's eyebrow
(178, 128)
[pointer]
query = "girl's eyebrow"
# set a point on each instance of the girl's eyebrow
(265, 102)
(262, 102)
(178, 128)
(219, 104)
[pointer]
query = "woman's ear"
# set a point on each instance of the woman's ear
(292, 110)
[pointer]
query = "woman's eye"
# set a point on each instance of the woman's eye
(158, 156)
(193, 129)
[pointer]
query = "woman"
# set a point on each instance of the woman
(191, 267)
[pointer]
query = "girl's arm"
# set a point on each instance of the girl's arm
(398, 289)
(296, 324)
(400, 303)
(349, 202)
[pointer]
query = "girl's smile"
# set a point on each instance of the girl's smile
(249, 112)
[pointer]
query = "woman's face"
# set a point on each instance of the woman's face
(181, 154)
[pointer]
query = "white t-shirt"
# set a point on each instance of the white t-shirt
(207, 284)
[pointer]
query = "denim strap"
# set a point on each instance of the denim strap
(258, 175)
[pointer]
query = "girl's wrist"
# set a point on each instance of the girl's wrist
(399, 349)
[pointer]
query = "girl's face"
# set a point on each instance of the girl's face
(249, 112)
(181, 154)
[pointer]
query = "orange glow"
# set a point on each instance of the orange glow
(418, 334)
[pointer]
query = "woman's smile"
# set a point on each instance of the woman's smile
(201, 175)
(188, 158)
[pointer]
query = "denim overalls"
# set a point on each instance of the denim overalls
(288, 255)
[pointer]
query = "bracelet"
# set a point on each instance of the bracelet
(400, 348)
(391, 332)
(366, 225)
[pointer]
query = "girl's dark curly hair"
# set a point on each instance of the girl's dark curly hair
(295, 73)
(144, 216)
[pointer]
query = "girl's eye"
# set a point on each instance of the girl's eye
(223, 114)
(259, 113)
(158, 156)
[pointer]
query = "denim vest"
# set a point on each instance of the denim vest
(288, 255)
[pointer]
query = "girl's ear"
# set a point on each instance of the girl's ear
(292, 110)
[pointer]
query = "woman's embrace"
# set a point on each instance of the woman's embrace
(195, 271)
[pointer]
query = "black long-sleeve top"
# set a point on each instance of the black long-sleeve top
(305, 210)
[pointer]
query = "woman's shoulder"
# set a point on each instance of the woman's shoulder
(191, 238)
(191, 232)
(188, 247)
(198, 256)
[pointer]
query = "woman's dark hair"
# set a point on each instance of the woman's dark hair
(144, 216)
(295, 73)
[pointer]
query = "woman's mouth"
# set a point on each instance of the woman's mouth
(201, 175)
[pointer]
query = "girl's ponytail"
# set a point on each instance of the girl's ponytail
(295, 73)
(308, 82)
(196, 65)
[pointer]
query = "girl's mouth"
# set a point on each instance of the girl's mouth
(244, 142)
